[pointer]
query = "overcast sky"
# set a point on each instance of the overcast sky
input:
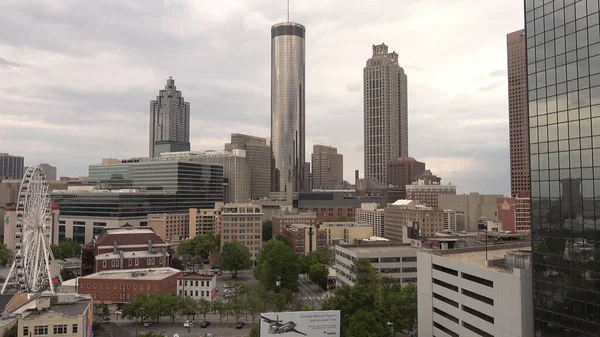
(76, 77)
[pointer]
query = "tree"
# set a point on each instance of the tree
(188, 307)
(235, 257)
(67, 274)
(198, 248)
(5, 255)
(66, 249)
(170, 305)
(277, 267)
(318, 274)
(267, 230)
(203, 307)
(366, 324)
(254, 331)
(12, 332)
(280, 237)
(305, 262)
(307, 307)
(220, 309)
(341, 218)
(237, 307)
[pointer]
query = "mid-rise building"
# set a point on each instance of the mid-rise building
(48, 169)
(472, 207)
(427, 194)
(121, 286)
(449, 220)
(284, 218)
(11, 167)
(53, 315)
(10, 224)
(370, 213)
(515, 214)
(126, 248)
(241, 222)
(304, 239)
(236, 169)
(476, 292)
(327, 167)
(181, 226)
(347, 232)
(403, 171)
(288, 92)
(197, 286)
(258, 152)
(398, 261)
(518, 118)
(426, 221)
(385, 112)
(169, 121)
(329, 205)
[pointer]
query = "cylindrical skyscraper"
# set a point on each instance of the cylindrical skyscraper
(287, 107)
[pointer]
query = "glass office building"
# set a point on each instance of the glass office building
(563, 68)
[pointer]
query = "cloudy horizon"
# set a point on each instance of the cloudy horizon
(76, 77)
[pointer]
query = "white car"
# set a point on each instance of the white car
(188, 324)
(119, 312)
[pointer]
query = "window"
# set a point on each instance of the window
(25, 331)
(445, 300)
(100, 295)
(445, 285)
(479, 314)
(94, 285)
(101, 286)
(446, 315)
(137, 262)
(60, 329)
(112, 263)
(128, 287)
(130, 262)
(476, 330)
(478, 297)
(155, 287)
(445, 270)
(444, 329)
(40, 330)
(88, 285)
(148, 260)
(197, 283)
(409, 259)
(196, 293)
(477, 279)
(104, 264)
(75, 328)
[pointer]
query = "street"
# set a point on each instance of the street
(129, 329)
(311, 293)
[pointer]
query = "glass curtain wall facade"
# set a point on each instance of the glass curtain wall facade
(287, 106)
(563, 67)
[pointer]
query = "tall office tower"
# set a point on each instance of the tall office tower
(327, 166)
(169, 121)
(517, 113)
(386, 112)
(11, 166)
(403, 171)
(258, 153)
(287, 106)
(563, 68)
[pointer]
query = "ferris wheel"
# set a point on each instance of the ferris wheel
(30, 270)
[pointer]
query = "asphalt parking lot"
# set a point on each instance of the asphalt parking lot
(130, 329)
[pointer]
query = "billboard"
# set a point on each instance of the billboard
(300, 323)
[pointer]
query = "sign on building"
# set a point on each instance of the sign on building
(300, 323)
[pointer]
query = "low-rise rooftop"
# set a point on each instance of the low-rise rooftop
(495, 255)
(366, 248)
(146, 274)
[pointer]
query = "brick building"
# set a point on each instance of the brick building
(515, 214)
(126, 248)
(184, 225)
(284, 218)
(403, 171)
(427, 194)
(121, 286)
(304, 239)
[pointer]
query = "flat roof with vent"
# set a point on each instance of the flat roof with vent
(131, 274)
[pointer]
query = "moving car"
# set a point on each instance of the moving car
(240, 325)
(204, 324)
(188, 324)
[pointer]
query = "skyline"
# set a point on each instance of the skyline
(66, 106)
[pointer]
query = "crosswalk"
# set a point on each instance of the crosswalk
(315, 298)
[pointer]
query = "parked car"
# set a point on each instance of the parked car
(204, 324)
(119, 312)
(188, 324)
(240, 325)
(147, 324)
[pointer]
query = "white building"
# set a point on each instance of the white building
(197, 286)
(398, 261)
(449, 220)
(369, 213)
(462, 294)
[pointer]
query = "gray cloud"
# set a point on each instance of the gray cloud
(93, 66)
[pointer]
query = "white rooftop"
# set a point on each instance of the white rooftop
(402, 202)
(131, 231)
(130, 274)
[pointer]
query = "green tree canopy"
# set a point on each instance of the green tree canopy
(67, 274)
(267, 230)
(12, 332)
(277, 262)
(203, 307)
(5, 255)
(235, 257)
(66, 249)
(318, 274)
(341, 218)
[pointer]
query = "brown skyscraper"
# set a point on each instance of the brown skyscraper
(258, 153)
(327, 166)
(403, 171)
(517, 113)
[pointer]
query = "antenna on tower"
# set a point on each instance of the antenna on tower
(288, 10)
